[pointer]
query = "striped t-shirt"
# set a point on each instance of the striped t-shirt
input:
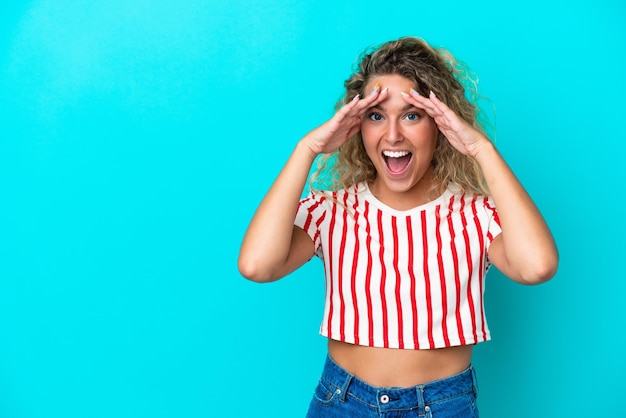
(409, 279)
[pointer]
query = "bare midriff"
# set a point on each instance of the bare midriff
(392, 367)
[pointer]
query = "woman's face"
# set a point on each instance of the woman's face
(400, 139)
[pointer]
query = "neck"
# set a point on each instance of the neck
(422, 192)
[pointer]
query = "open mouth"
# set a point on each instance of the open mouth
(397, 161)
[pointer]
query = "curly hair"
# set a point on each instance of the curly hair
(430, 69)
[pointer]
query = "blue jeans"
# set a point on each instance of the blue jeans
(341, 394)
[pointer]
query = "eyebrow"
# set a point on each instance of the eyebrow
(405, 108)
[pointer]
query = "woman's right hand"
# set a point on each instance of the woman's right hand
(272, 246)
(329, 136)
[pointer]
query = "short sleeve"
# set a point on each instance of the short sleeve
(493, 228)
(310, 217)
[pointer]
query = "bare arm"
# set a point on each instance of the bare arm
(272, 246)
(525, 251)
(270, 243)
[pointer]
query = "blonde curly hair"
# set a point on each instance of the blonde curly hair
(430, 69)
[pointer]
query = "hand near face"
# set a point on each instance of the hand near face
(329, 136)
(461, 135)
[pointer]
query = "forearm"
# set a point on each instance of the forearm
(267, 242)
(270, 248)
(529, 250)
(525, 251)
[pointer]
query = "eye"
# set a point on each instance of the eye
(413, 116)
(375, 116)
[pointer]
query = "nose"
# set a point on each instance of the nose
(394, 133)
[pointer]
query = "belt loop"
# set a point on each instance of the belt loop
(474, 380)
(344, 388)
(421, 401)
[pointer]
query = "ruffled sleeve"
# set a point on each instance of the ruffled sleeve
(310, 217)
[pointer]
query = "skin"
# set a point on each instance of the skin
(394, 117)
(396, 125)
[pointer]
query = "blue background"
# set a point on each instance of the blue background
(137, 138)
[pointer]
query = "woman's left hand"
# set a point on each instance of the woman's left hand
(525, 250)
(461, 135)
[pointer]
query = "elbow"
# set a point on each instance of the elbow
(541, 271)
(254, 271)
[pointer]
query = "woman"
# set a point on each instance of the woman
(419, 205)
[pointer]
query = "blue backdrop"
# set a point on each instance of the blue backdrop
(137, 138)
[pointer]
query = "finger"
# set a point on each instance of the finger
(357, 106)
(433, 98)
(376, 96)
(421, 102)
(441, 106)
(346, 109)
(424, 102)
(453, 122)
(418, 98)
(438, 110)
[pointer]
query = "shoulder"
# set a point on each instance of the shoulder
(332, 197)
(480, 210)
(471, 198)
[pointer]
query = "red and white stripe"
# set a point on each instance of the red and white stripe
(402, 279)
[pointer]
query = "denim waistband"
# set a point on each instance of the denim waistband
(394, 398)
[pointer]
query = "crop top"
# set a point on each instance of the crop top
(409, 279)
